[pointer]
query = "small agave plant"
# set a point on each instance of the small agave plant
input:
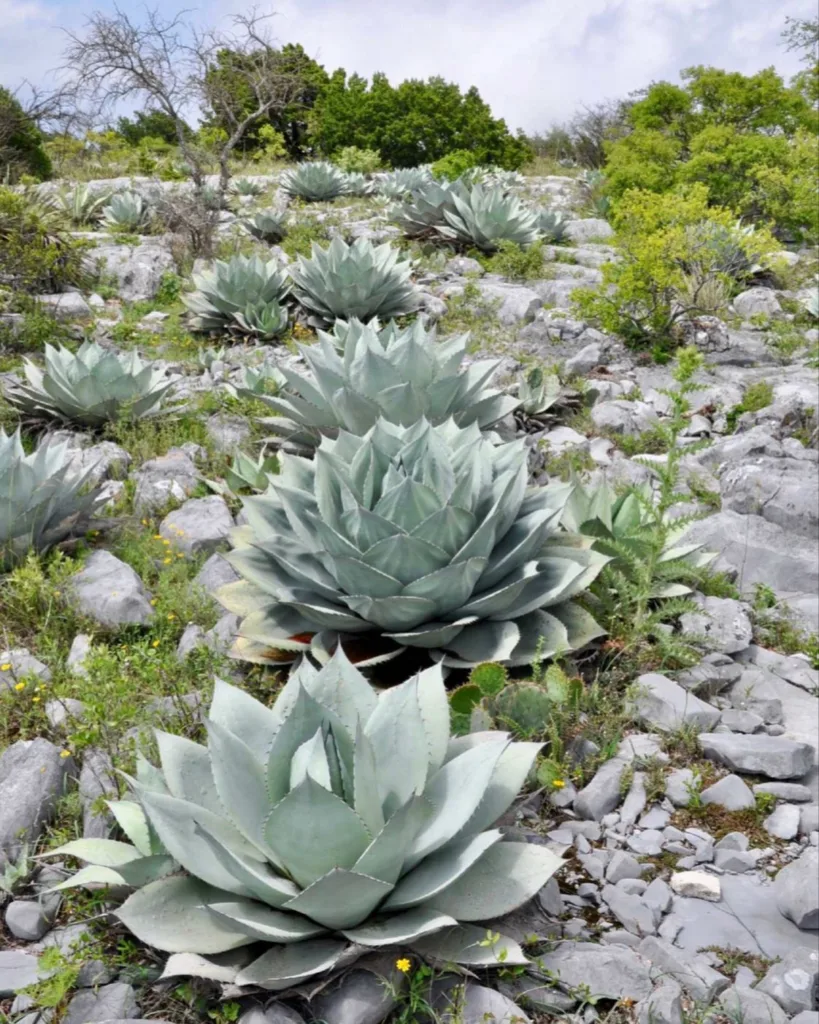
(422, 537)
(315, 181)
(485, 217)
(336, 822)
(359, 184)
(620, 528)
(396, 375)
(267, 225)
(246, 187)
(542, 399)
(360, 280)
(396, 184)
(44, 499)
(552, 226)
(260, 380)
(82, 205)
(126, 211)
(246, 474)
(242, 295)
(811, 304)
(424, 212)
(91, 388)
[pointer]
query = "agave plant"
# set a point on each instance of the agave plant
(246, 474)
(44, 499)
(623, 528)
(359, 184)
(396, 375)
(263, 320)
(260, 380)
(315, 181)
(246, 187)
(501, 178)
(338, 821)
(82, 205)
(209, 355)
(398, 183)
(234, 295)
(730, 250)
(538, 393)
(420, 537)
(360, 280)
(126, 211)
(91, 388)
(424, 213)
(552, 226)
(485, 217)
(267, 226)
(810, 303)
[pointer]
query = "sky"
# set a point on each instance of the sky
(534, 61)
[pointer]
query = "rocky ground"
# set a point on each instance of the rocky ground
(691, 885)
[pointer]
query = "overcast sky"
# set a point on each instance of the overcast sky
(534, 61)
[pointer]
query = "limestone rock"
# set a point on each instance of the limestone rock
(199, 525)
(110, 592)
(699, 884)
(773, 756)
(723, 622)
(793, 981)
(665, 705)
(33, 776)
(729, 792)
(797, 890)
(751, 1006)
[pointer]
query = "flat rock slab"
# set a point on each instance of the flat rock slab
(747, 918)
(110, 592)
(665, 705)
(17, 970)
(613, 972)
(797, 890)
(200, 526)
(772, 756)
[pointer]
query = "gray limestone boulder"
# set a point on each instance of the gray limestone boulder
(33, 776)
(17, 970)
(772, 756)
(751, 1006)
(110, 592)
(168, 478)
(623, 417)
(200, 525)
(116, 1001)
(783, 822)
(18, 664)
(215, 573)
(587, 229)
(754, 301)
(722, 621)
(796, 888)
(793, 981)
(729, 792)
(516, 304)
(665, 705)
(781, 491)
(137, 269)
(663, 1006)
(693, 973)
(66, 306)
(97, 782)
(610, 972)
(361, 996)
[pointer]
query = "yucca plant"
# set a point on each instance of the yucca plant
(267, 225)
(396, 375)
(246, 187)
(552, 226)
(398, 183)
(126, 211)
(93, 387)
(421, 537)
(315, 181)
(626, 529)
(82, 205)
(236, 296)
(485, 217)
(44, 499)
(424, 212)
(360, 280)
(338, 821)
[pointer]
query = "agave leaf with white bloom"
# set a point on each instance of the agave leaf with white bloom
(263, 320)
(359, 184)
(315, 181)
(360, 280)
(393, 374)
(259, 380)
(126, 211)
(396, 184)
(267, 225)
(487, 216)
(338, 820)
(225, 291)
(424, 212)
(44, 499)
(93, 387)
(553, 225)
(408, 537)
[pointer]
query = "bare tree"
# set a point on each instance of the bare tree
(172, 65)
(591, 127)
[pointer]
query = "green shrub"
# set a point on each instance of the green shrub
(454, 164)
(519, 264)
(21, 142)
(35, 255)
(354, 160)
(665, 268)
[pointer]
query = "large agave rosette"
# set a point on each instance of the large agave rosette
(305, 834)
(409, 537)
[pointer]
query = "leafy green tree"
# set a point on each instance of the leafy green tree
(21, 142)
(149, 124)
(718, 128)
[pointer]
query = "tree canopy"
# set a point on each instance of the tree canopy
(21, 141)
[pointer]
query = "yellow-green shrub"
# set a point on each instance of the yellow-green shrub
(35, 256)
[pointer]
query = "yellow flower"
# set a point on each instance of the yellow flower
(157, 536)
(144, 522)
(5, 666)
(171, 615)
(167, 543)
(558, 783)
(180, 554)
(19, 687)
(167, 561)
(153, 602)
(403, 965)
(35, 700)
(65, 753)
(155, 643)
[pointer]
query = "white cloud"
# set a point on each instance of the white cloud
(534, 61)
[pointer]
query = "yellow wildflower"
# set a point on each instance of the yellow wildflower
(19, 687)
(35, 700)
(558, 783)
(65, 753)
(403, 965)
(167, 561)
(171, 615)
(155, 643)
(5, 666)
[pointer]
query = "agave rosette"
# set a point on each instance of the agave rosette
(360, 280)
(243, 294)
(393, 374)
(315, 181)
(486, 216)
(267, 225)
(396, 184)
(126, 211)
(92, 387)
(424, 212)
(44, 498)
(422, 537)
(337, 821)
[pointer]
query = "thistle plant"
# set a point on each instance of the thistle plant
(338, 821)
(396, 375)
(44, 499)
(360, 280)
(243, 295)
(409, 537)
(93, 387)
